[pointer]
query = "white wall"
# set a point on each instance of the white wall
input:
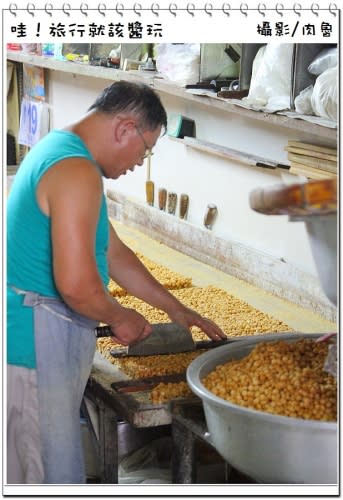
(205, 178)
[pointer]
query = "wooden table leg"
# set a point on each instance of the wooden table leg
(108, 445)
(183, 459)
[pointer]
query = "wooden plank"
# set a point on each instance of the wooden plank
(83, 69)
(313, 162)
(147, 384)
(136, 408)
(312, 147)
(315, 154)
(311, 173)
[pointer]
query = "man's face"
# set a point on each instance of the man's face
(137, 148)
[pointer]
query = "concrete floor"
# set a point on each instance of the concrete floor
(302, 320)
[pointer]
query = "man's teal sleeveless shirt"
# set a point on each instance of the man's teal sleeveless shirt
(29, 252)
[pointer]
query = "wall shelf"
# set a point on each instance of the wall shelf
(164, 86)
(79, 68)
(227, 106)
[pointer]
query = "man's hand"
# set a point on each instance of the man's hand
(129, 327)
(187, 317)
(128, 271)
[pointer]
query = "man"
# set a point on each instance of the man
(61, 251)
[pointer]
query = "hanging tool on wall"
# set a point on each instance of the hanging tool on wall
(172, 201)
(162, 198)
(210, 215)
(184, 203)
(149, 185)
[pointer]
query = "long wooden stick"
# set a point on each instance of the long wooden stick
(148, 170)
(149, 185)
(231, 154)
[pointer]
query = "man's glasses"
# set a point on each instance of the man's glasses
(148, 151)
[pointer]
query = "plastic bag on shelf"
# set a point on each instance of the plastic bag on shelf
(31, 48)
(324, 98)
(271, 78)
(327, 58)
(302, 102)
(180, 63)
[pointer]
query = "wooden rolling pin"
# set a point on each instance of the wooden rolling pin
(319, 196)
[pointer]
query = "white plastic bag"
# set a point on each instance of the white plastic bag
(270, 84)
(180, 63)
(327, 58)
(149, 465)
(324, 98)
(303, 103)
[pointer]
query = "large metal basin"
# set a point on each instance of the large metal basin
(268, 448)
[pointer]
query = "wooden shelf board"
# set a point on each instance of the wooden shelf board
(78, 68)
(270, 118)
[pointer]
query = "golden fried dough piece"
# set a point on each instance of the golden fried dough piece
(283, 378)
(164, 392)
(168, 278)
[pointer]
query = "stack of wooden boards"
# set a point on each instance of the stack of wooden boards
(312, 161)
(236, 318)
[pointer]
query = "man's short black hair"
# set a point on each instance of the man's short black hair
(138, 98)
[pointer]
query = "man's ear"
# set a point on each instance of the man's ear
(124, 127)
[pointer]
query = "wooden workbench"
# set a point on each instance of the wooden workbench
(103, 407)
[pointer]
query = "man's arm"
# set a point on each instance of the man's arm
(129, 272)
(70, 193)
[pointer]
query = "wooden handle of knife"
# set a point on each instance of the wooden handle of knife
(103, 331)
